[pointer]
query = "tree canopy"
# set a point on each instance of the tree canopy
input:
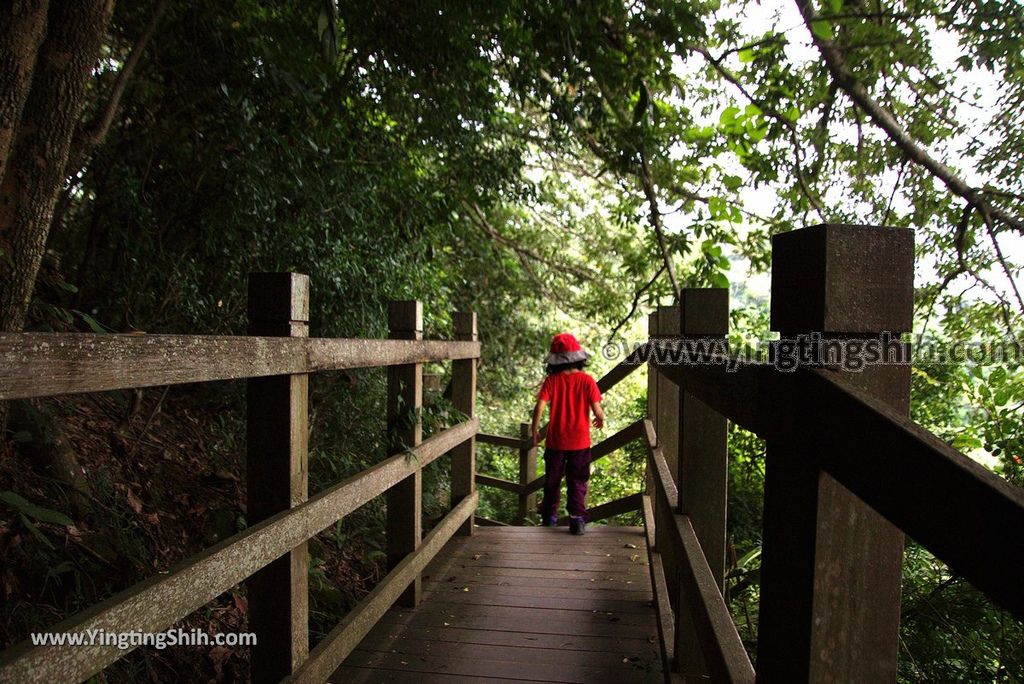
(547, 165)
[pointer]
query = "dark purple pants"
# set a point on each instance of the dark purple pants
(575, 465)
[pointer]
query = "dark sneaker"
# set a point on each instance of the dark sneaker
(548, 521)
(577, 526)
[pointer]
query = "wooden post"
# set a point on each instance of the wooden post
(666, 426)
(527, 472)
(277, 478)
(652, 400)
(702, 466)
(464, 400)
(405, 430)
(666, 419)
(831, 566)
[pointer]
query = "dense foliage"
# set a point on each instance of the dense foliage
(550, 166)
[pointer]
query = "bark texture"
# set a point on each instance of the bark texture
(34, 173)
(22, 23)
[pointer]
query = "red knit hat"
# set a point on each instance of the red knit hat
(565, 349)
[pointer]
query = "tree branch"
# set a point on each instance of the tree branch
(478, 217)
(798, 171)
(655, 218)
(93, 135)
(836, 63)
(636, 303)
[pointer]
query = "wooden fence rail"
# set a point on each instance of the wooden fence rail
(847, 473)
(270, 553)
(49, 364)
(939, 496)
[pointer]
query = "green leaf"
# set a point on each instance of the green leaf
(641, 105)
(822, 29)
(746, 55)
(732, 182)
(24, 507)
(95, 325)
(15, 501)
(965, 442)
(729, 115)
(34, 530)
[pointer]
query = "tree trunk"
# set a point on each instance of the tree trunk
(56, 48)
(21, 31)
(35, 171)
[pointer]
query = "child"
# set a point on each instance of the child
(573, 394)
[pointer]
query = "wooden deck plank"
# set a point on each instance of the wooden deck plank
(533, 591)
(534, 624)
(500, 615)
(481, 667)
(591, 548)
(347, 674)
(547, 651)
(549, 562)
(557, 584)
(390, 629)
(522, 603)
(467, 596)
(606, 554)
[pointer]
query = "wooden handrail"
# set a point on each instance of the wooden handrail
(507, 485)
(934, 493)
(46, 364)
(635, 359)
(625, 504)
(343, 639)
(499, 440)
(721, 646)
(659, 585)
(157, 603)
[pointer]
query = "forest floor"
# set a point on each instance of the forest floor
(165, 478)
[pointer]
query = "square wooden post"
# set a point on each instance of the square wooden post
(277, 478)
(666, 426)
(666, 418)
(652, 398)
(527, 472)
(702, 464)
(464, 399)
(831, 566)
(405, 430)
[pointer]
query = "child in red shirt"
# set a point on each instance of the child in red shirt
(573, 395)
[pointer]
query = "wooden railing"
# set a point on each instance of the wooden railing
(675, 555)
(270, 555)
(847, 473)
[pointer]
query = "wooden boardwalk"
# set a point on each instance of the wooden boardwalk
(522, 604)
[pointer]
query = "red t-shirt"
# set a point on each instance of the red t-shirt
(570, 395)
